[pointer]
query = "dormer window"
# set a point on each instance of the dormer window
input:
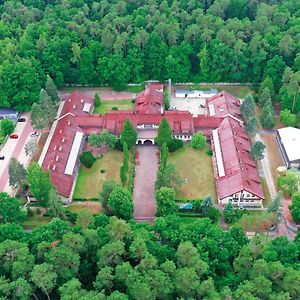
(63, 139)
(56, 158)
(74, 106)
(60, 148)
(60, 131)
(81, 101)
(54, 168)
(69, 122)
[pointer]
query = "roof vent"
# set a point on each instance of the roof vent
(81, 100)
(54, 148)
(70, 100)
(69, 122)
(74, 106)
(60, 148)
(48, 167)
(60, 131)
(63, 139)
(56, 158)
(54, 168)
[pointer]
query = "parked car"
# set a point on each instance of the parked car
(34, 134)
(14, 136)
(2, 157)
(21, 120)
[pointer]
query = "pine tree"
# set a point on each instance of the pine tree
(248, 108)
(38, 120)
(97, 100)
(267, 82)
(257, 150)
(128, 134)
(163, 157)
(264, 97)
(123, 175)
(48, 106)
(252, 126)
(164, 133)
(51, 90)
(16, 172)
(55, 205)
(267, 117)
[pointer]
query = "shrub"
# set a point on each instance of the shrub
(87, 159)
(114, 108)
(287, 118)
(119, 145)
(198, 141)
(6, 127)
(209, 152)
(102, 171)
(97, 100)
(175, 144)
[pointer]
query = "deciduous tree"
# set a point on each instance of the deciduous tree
(257, 150)
(198, 141)
(166, 201)
(17, 173)
(120, 203)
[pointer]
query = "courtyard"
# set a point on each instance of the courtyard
(196, 169)
(107, 105)
(196, 106)
(90, 181)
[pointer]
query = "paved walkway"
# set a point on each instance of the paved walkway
(145, 176)
(15, 148)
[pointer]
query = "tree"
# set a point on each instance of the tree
(10, 211)
(166, 201)
(289, 182)
(231, 215)
(55, 205)
(163, 157)
(252, 126)
(87, 159)
(44, 277)
(206, 204)
(276, 207)
(107, 188)
(267, 83)
(123, 175)
(6, 127)
(164, 133)
(267, 117)
(105, 138)
(84, 219)
(248, 108)
(104, 279)
(38, 120)
(126, 156)
(120, 203)
(39, 182)
(97, 100)
(17, 173)
(198, 141)
(30, 147)
(168, 177)
(128, 134)
(257, 150)
(51, 89)
(264, 97)
(295, 207)
(287, 118)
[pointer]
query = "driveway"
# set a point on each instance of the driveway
(15, 148)
(145, 176)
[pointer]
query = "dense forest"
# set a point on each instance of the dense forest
(115, 42)
(108, 258)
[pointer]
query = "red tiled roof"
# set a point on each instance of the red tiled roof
(239, 166)
(224, 104)
(149, 101)
(207, 122)
(155, 86)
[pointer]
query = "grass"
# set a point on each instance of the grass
(93, 207)
(36, 220)
(135, 89)
(240, 91)
(188, 220)
(90, 181)
(107, 106)
(266, 191)
(196, 166)
(256, 221)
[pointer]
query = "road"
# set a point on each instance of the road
(282, 229)
(15, 148)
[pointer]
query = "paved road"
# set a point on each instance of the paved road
(145, 176)
(14, 148)
(282, 228)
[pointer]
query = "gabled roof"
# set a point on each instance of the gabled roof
(149, 101)
(224, 104)
(236, 169)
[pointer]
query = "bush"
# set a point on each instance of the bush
(119, 145)
(198, 141)
(87, 159)
(114, 108)
(209, 152)
(97, 100)
(175, 144)
(132, 100)
(287, 118)
(6, 127)
(102, 171)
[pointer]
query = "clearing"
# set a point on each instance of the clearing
(94, 207)
(106, 106)
(90, 181)
(36, 220)
(196, 169)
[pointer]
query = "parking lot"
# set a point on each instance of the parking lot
(196, 106)
(15, 148)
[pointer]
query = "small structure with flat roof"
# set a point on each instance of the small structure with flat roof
(9, 113)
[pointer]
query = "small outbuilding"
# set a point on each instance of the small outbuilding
(288, 139)
(8, 113)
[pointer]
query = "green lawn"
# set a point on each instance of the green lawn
(188, 220)
(35, 221)
(94, 207)
(107, 106)
(135, 89)
(89, 181)
(265, 187)
(256, 221)
(196, 166)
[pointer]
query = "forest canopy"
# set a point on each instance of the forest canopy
(115, 42)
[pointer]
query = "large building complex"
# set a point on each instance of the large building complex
(237, 179)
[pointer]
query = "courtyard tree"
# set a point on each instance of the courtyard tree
(248, 108)
(7, 127)
(120, 203)
(10, 211)
(30, 148)
(198, 141)
(128, 134)
(166, 201)
(168, 177)
(105, 138)
(252, 126)
(51, 89)
(126, 156)
(84, 219)
(87, 159)
(257, 150)
(17, 173)
(39, 182)
(163, 157)
(289, 182)
(107, 188)
(97, 100)
(55, 205)
(164, 133)
(287, 118)
(295, 207)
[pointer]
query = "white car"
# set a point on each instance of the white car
(34, 134)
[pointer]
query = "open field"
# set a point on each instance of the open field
(107, 106)
(196, 170)
(240, 91)
(36, 220)
(89, 181)
(257, 221)
(94, 207)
